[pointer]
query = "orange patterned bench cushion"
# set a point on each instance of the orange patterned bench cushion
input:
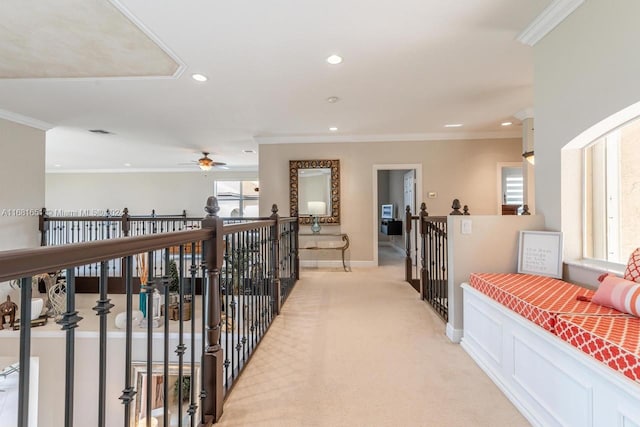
(537, 298)
(613, 340)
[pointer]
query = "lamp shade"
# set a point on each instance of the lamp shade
(317, 208)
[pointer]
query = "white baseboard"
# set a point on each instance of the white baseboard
(455, 335)
(335, 263)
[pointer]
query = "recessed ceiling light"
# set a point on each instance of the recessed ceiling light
(333, 129)
(57, 165)
(199, 77)
(334, 59)
(127, 164)
(506, 124)
(249, 151)
(453, 125)
(333, 99)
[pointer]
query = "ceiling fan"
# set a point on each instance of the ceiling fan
(205, 162)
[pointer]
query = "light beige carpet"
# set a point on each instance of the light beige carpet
(360, 349)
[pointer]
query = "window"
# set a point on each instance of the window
(237, 198)
(512, 186)
(612, 195)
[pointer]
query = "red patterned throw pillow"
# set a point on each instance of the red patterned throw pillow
(632, 271)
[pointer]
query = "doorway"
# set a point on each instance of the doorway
(510, 188)
(395, 187)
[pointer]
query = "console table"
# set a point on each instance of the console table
(322, 241)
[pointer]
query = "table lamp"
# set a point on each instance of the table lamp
(316, 209)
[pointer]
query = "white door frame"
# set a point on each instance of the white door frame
(418, 196)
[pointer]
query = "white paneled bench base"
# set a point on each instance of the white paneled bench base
(550, 382)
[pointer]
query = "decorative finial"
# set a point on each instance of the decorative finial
(525, 210)
(465, 210)
(408, 209)
(274, 209)
(212, 208)
(456, 207)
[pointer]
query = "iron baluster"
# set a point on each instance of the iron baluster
(25, 352)
(102, 308)
(180, 349)
(149, 290)
(128, 392)
(69, 322)
(165, 288)
(193, 269)
(228, 285)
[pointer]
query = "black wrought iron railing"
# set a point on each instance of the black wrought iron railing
(434, 257)
(63, 230)
(194, 336)
(434, 271)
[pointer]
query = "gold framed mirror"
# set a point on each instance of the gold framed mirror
(314, 190)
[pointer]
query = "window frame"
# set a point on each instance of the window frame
(242, 197)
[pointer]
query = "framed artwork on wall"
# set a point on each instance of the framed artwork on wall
(540, 252)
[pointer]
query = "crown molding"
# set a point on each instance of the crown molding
(403, 137)
(522, 115)
(234, 171)
(25, 120)
(549, 19)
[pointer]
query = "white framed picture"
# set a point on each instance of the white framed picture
(157, 394)
(540, 252)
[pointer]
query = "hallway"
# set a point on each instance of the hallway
(360, 349)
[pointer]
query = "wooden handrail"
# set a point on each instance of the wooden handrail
(246, 226)
(15, 264)
(84, 218)
(19, 263)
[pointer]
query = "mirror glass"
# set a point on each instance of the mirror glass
(315, 190)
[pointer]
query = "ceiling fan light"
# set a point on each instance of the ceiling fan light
(529, 156)
(206, 163)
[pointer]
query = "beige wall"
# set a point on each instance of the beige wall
(166, 192)
(22, 188)
(585, 71)
(454, 169)
(468, 252)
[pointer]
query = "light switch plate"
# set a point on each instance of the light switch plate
(432, 195)
(465, 226)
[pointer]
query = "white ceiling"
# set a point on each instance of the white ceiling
(410, 67)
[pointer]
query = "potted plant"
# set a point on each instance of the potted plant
(174, 298)
(174, 282)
